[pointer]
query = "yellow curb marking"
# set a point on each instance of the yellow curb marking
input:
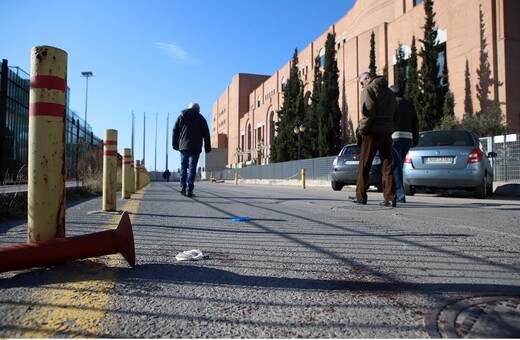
(75, 306)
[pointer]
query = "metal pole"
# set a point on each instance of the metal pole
(144, 139)
(127, 174)
(155, 161)
(133, 130)
(46, 168)
(87, 75)
(167, 146)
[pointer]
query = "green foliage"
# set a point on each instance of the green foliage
(328, 110)
(431, 113)
(449, 105)
(285, 145)
(487, 123)
(372, 66)
(310, 138)
(412, 91)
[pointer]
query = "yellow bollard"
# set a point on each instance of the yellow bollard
(303, 178)
(46, 144)
(110, 170)
(127, 174)
(132, 174)
(236, 178)
(137, 175)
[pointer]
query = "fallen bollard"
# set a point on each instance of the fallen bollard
(47, 253)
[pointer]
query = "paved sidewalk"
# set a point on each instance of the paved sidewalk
(307, 264)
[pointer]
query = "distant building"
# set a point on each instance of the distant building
(473, 36)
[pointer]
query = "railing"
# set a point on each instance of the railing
(506, 166)
(315, 169)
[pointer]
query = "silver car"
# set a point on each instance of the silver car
(448, 159)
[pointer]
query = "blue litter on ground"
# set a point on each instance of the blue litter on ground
(240, 219)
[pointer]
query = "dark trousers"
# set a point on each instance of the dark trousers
(371, 143)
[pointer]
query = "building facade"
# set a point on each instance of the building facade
(479, 62)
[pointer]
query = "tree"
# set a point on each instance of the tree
(400, 69)
(329, 112)
(431, 114)
(285, 147)
(412, 91)
(372, 66)
(310, 138)
(449, 121)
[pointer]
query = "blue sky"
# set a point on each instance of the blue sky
(156, 56)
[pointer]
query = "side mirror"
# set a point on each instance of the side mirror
(492, 154)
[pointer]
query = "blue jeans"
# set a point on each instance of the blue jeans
(189, 160)
(401, 147)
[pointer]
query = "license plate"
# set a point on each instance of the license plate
(351, 162)
(439, 160)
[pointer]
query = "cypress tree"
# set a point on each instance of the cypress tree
(429, 80)
(311, 121)
(329, 112)
(285, 146)
(372, 66)
(412, 91)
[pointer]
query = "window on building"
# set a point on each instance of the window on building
(416, 2)
(322, 57)
(259, 101)
(443, 67)
(284, 83)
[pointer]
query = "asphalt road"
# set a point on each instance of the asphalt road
(308, 264)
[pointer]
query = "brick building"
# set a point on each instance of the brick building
(473, 36)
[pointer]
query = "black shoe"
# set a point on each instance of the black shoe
(355, 200)
(386, 203)
(191, 194)
(183, 192)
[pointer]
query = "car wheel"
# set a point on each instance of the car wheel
(489, 189)
(336, 186)
(480, 190)
(409, 190)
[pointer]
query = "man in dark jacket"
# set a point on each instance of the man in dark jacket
(379, 117)
(189, 131)
(405, 136)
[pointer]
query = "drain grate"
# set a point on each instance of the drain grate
(481, 317)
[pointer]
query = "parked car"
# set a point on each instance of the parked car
(448, 159)
(345, 165)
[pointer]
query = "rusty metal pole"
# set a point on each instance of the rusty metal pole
(303, 178)
(127, 173)
(137, 175)
(110, 170)
(60, 250)
(46, 161)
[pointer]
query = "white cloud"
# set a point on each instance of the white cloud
(177, 53)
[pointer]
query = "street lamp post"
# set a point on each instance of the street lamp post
(298, 130)
(86, 75)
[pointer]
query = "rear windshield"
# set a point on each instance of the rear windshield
(445, 138)
(350, 150)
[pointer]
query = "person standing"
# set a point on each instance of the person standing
(379, 112)
(189, 131)
(405, 136)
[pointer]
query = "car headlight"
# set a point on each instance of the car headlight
(335, 162)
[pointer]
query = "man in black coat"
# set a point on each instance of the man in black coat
(189, 131)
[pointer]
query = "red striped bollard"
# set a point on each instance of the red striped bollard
(110, 170)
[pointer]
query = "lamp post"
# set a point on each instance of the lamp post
(238, 150)
(260, 151)
(298, 130)
(86, 75)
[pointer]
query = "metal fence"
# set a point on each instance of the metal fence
(315, 169)
(506, 166)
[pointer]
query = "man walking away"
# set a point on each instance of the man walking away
(379, 116)
(405, 136)
(189, 131)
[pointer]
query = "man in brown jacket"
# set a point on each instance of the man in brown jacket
(380, 115)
